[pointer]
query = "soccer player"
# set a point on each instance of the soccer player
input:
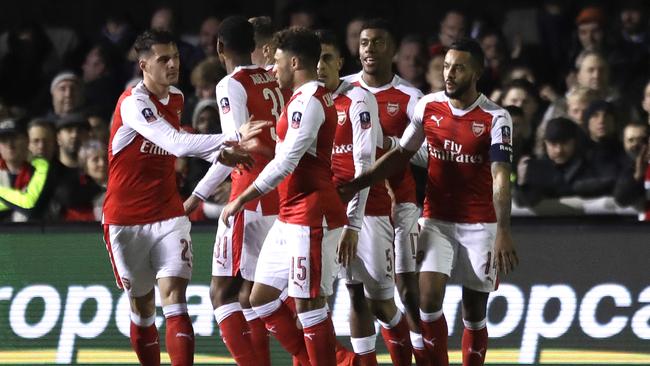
(467, 206)
(264, 49)
(247, 91)
(396, 99)
(146, 233)
(300, 249)
(369, 273)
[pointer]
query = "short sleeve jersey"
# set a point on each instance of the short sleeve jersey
(461, 146)
(251, 91)
(356, 144)
(396, 101)
(301, 168)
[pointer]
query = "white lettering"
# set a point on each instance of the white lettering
(640, 320)
(148, 147)
(18, 309)
(589, 306)
(73, 326)
(514, 310)
(342, 149)
(536, 326)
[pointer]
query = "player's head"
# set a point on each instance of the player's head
(236, 37)
(462, 67)
(376, 46)
(264, 47)
(330, 62)
(158, 56)
(297, 53)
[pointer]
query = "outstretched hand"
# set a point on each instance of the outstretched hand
(252, 128)
(233, 155)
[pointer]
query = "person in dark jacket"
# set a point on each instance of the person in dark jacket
(629, 189)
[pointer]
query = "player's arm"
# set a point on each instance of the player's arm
(233, 113)
(391, 162)
(420, 158)
(296, 142)
(501, 157)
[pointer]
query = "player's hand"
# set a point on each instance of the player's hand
(346, 191)
(233, 155)
(347, 248)
(505, 253)
(191, 203)
(252, 128)
(230, 210)
(222, 193)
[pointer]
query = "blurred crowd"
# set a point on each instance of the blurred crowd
(576, 84)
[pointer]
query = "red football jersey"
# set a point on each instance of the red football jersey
(301, 168)
(461, 144)
(396, 102)
(356, 144)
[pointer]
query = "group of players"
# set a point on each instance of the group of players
(321, 187)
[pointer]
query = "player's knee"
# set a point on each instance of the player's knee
(358, 302)
(221, 294)
(431, 299)
(244, 296)
(384, 310)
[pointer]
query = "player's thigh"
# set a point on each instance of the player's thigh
(128, 249)
(256, 228)
(171, 256)
(274, 262)
(476, 262)
(313, 266)
(376, 258)
(438, 246)
(405, 217)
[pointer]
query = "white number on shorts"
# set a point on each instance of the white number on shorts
(276, 97)
(389, 259)
(414, 242)
(187, 247)
(301, 274)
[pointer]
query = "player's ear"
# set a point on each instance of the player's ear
(142, 63)
(219, 47)
(339, 63)
(295, 63)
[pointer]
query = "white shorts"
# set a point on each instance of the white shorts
(236, 248)
(140, 254)
(373, 265)
(301, 258)
(405, 219)
(465, 249)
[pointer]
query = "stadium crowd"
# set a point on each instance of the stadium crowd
(576, 84)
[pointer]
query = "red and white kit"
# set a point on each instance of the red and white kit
(300, 249)
(459, 224)
(247, 91)
(146, 232)
(358, 137)
(396, 102)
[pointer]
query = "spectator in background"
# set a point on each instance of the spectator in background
(521, 93)
(24, 184)
(603, 148)
(264, 52)
(94, 165)
(645, 102)
(629, 189)
(521, 134)
(301, 14)
(205, 119)
(562, 172)
(99, 129)
(101, 85)
(496, 58)
(410, 60)
(352, 63)
(208, 36)
(117, 31)
(67, 95)
(204, 78)
(453, 27)
(434, 69)
(42, 142)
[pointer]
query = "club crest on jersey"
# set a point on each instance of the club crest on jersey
(478, 128)
(506, 135)
(224, 103)
(392, 108)
(341, 117)
(364, 118)
(148, 115)
(295, 119)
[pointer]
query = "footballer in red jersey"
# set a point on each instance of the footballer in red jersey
(466, 223)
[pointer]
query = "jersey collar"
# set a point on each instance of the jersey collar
(461, 112)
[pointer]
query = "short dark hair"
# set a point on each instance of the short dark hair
(473, 48)
(150, 37)
(326, 36)
(237, 34)
(263, 29)
(300, 42)
(380, 23)
(521, 84)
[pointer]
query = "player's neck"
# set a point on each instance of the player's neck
(159, 90)
(377, 80)
(467, 99)
(301, 78)
(234, 61)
